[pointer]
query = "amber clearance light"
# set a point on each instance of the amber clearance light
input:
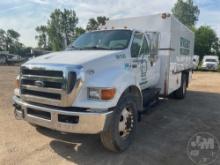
(108, 94)
(17, 82)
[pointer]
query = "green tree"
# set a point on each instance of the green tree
(2, 39)
(42, 37)
(216, 47)
(93, 23)
(61, 27)
(24, 51)
(206, 41)
(9, 40)
(78, 32)
(186, 12)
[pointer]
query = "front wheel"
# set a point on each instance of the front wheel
(120, 133)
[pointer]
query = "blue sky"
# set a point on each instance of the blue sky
(24, 15)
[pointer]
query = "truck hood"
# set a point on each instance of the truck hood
(75, 57)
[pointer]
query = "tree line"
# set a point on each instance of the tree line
(61, 29)
(206, 40)
(9, 41)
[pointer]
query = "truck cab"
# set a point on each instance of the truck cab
(104, 80)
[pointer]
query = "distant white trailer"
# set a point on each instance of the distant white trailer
(6, 58)
(210, 62)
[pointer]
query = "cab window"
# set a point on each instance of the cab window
(136, 44)
(144, 48)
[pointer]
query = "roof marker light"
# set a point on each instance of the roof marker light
(164, 15)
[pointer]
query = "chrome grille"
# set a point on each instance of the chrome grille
(49, 85)
(51, 73)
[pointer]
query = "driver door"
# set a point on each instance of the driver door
(139, 54)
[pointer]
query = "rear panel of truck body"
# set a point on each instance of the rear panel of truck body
(176, 46)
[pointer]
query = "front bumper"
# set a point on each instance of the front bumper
(212, 67)
(65, 121)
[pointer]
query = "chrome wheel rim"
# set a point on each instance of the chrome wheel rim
(126, 122)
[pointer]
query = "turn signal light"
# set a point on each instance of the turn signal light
(17, 82)
(108, 94)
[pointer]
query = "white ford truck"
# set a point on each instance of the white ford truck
(104, 80)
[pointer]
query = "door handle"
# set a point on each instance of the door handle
(134, 65)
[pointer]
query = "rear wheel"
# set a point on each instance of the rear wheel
(120, 133)
(181, 92)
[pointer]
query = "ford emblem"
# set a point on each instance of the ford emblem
(39, 83)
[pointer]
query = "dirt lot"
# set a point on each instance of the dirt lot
(162, 136)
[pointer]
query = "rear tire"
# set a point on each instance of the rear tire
(181, 92)
(121, 132)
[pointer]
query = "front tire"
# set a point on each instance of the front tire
(121, 132)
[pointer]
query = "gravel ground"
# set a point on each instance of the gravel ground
(162, 135)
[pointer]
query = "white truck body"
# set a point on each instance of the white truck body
(176, 46)
(65, 90)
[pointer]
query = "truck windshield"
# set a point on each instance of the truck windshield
(103, 40)
(210, 60)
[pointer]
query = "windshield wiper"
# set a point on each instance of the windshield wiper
(96, 47)
(72, 47)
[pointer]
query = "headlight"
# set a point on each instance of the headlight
(94, 93)
(17, 82)
(101, 93)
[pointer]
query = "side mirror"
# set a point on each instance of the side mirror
(153, 39)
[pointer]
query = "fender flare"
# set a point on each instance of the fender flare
(134, 90)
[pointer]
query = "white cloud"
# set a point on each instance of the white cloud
(40, 1)
(210, 18)
(122, 8)
(13, 8)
